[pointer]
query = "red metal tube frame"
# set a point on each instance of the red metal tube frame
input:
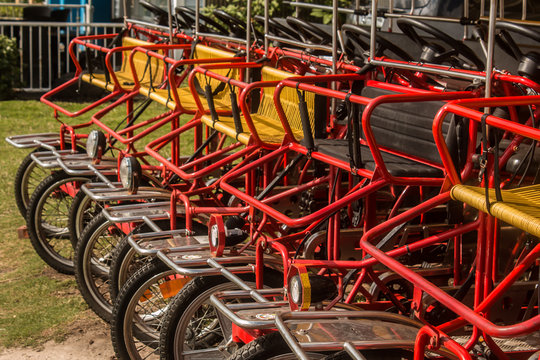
(466, 108)
(305, 83)
(161, 119)
(81, 40)
(173, 82)
(370, 138)
(306, 220)
(205, 69)
(468, 315)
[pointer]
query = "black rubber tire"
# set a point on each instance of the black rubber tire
(125, 261)
(267, 347)
(84, 209)
(124, 256)
(91, 271)
(182, 308)
(123, 252)
(132, 337)
(48, 234)
(272, 345)
(25, 174)
(81, 202)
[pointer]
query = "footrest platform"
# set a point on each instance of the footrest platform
(34, 140)
(104, 192)
(140, 211)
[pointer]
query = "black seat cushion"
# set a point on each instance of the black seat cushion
(406, 128)
(396, 165)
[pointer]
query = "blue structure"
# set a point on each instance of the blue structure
(102, 9)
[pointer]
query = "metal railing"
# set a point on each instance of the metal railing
(43, 48)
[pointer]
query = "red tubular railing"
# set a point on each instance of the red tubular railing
(370, 138)
(268, 209)
(467, 315)
(96, 119)
(205, 69)
(385, 177)
(434, 339)
(411, 95)
(467, 109)
(84, 41)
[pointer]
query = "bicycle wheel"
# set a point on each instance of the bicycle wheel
(271, 347)
(46, 219)
(92, 261)
(83, 209)
(139, 309)
(27, 178)
(191, 326)
(125, 260)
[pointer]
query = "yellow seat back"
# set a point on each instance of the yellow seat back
(206, 52)
(288, 98)
(149, 70)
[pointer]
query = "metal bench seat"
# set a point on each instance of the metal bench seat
(404, 138)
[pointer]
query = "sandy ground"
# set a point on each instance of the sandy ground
(88, 338)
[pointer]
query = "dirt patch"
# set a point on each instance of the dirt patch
(55, 275)
(86, 338)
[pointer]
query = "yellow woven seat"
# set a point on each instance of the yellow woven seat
(98, 80)
(221, 100)
(163, 97)
(225, 125)
(519, 207)
(124, 79)
(150, 73)
(268, 129)
(266, 120)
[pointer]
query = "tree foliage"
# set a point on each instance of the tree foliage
(9, 67)
(325, 16)
(238, 8)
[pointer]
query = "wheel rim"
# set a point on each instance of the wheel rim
(87, 210)
(51, 221)
(199, 328)
(142, 318)
(394, 284)
(33, 175)
(96, 263)
(130, 264)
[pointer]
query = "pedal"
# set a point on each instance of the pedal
(524, 343)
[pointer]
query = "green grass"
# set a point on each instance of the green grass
(36, 303)
(33, 298)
